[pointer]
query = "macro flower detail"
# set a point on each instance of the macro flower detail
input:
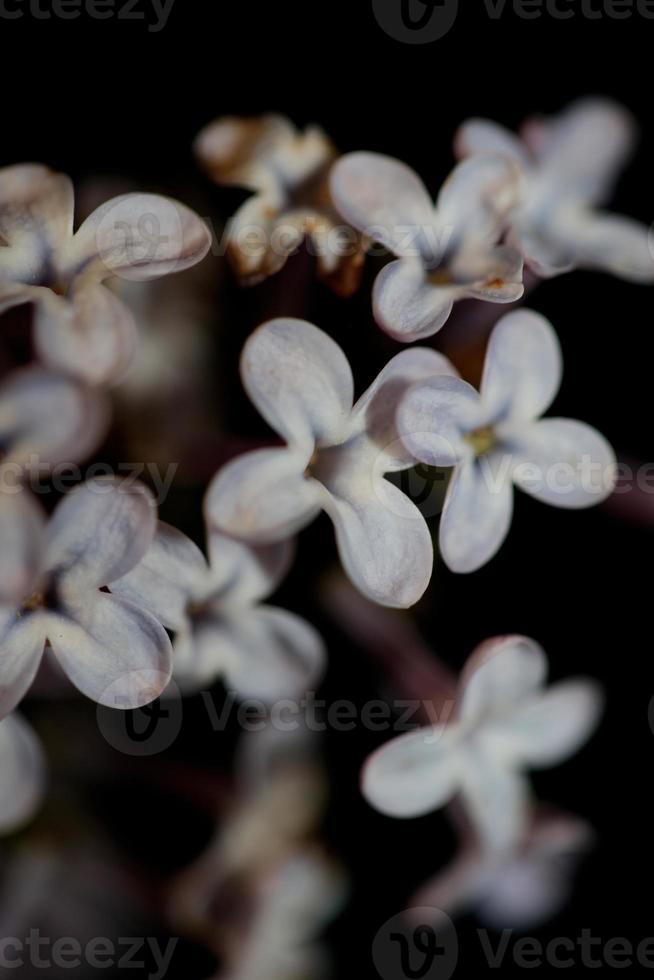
(569, 163)
(335, 459)
(56, 592)
(80, 326)
(222, 629)
(504, 722)
(444, 253)
(22, 773)
(287, 171)
(496, 438)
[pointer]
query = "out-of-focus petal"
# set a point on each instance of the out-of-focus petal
(523, 367)
(612, 243)
(238, 150)
(383, 540)
(138, 236)
(433, 417)
(413, 774)
(550, 727)
(22, 773)
(22, 639)
(476, 515)
(385, 200)
(563, 462)
(406, 305)
(482, 136)
(500, 675)
(166, 578)
(112, 651)
(496, 800)
(22, 526)
(263, 496)
(36, 207)
(476, 197)
(300, 381)
(243, 574)
(376, 410)
(99, 532)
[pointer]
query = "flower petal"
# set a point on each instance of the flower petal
(238, 150)
(499, 676)
(385, 200)
(476, 515)
(112, 651)
(244, 574)
(279, 655)
(138, 237)
(22, 524)
(263, 496)
(564, 463)
(36, 210)
(550, 727)
(523, 367)
(611, 243)
(91, 334)
(475, 200)
(406, 305)
(299, 380)
(22, 641)
(496, 799)
(46, 418)
(413, 774)
(22, 773)
(383, 540)
(433, 417)
(376, 410)
(99, 532)
(482, 136)
(166, 578)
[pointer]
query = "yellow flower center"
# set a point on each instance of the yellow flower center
(482, 440)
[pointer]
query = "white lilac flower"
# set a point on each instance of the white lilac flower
(215, 608)
(80, 326)
(569, 163)
(518, 889)
(335, 459)
(53, 589)
(287, 171)
(22, 773)
(46, 419)
(505, 721)
(496, 438)
(445, 252)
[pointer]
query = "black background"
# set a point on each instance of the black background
(109, 97)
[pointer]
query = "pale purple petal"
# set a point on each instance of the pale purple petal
(477, 513)
(496, 800)
(434, 416)
(299, 380)
(523, 367)
(499, 676)
(243, 574)
(36, 208)
(22, 640)
(166, 578)
(563, 462)
(22, 524)
(112, 651)
(384, 199)
(22, 773)
(99, 532)
(413, 774)
(476, 198)
(263, 496)
(406, 305)
(482, 136)
(612, 243)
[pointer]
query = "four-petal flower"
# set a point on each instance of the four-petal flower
(495, 439)
(505, 722)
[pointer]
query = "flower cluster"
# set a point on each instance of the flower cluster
(97, 584)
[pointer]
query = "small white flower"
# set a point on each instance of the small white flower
(53, 589)
(445, 252)
(79, 325)
(215, 610)
(519, 889)
(495, 439)
(335, 459)
(45, 419)
(22, 773)
(288, 172)
(570, 163)
(505, 722)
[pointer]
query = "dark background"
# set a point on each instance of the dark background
(110, 98)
